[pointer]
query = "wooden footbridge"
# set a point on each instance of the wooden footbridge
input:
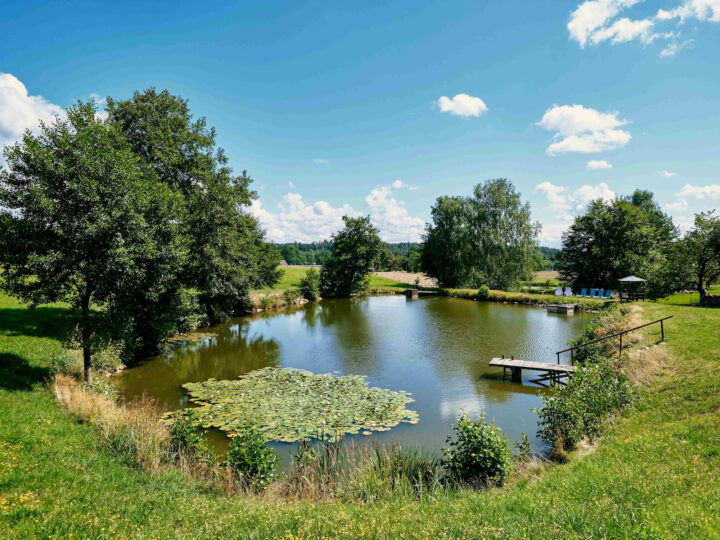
(552, 374)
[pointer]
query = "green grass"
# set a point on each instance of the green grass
(292, 275)
(655, 473)
(689, 298)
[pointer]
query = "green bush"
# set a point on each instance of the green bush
(66, 362)
(581, 408)
(107, 358)
(250, 459)
(310, 285)
(186, 438)
(100, 385)
(483, 292)
(479, 454)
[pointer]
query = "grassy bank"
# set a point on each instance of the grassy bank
(586, 304)
(654, 474)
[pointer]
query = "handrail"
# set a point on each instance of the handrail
(571, 349)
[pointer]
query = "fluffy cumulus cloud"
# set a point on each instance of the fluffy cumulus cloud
(703, 198)
(462, 105)
(598, 21)
(668, 174)
(392, 218)
(595, 164)
(20, 111)
(566, 204)
(298, 220)
(708, 191)
(582, 129)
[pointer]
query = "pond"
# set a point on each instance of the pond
(437, 348)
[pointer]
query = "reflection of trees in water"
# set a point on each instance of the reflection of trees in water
(233, 352)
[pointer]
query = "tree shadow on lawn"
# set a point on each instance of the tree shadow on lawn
(16, 375)
(42, 322)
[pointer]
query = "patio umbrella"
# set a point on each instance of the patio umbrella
(631, 279)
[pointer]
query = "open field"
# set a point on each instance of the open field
(293, 274)
(656, 473)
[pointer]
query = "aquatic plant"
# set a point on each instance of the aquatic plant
(292, 405)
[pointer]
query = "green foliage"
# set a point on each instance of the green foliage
(186, 438)
(250, 459)
(523, 449)
(479, 454)
(292, 404)
(699, 252)
(100, 385)
(66, 362)
(580, 409)
(629, 235)
(310, 285)
(484, 239)
(355, 253)
(227, 254)
(84, 220)
(107, 358)
(483, 292)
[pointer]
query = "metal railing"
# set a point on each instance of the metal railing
(571, 350)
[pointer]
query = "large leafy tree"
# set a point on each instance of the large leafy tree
(84, 220)
(629, 235)
(356, 250)
(228, 252)
(699, 252)
(488, 238)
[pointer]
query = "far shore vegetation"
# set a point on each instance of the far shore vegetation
(118, 234)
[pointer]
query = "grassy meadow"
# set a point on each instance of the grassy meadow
(654, 474)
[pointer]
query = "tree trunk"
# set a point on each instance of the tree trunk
(86, 338)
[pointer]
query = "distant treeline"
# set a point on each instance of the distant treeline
(397, 256)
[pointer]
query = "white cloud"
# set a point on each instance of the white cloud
(680, 206)
(582, 129)
(591, 16)
(595, 164)
(570, 204)
(399, 184)
(297, 220)
(551, 233)
(319, 161)
(462, 105)
(709, 191)
(595, 21)
(668, 174)
(675, 47)
(702, 10)
(20, 111)
(101, 103)
(392, 218)
(291, 185)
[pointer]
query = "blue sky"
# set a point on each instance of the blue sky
(336, 107)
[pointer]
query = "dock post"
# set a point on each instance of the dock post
(516, 374)
(412, 293)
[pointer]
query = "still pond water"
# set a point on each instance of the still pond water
(437, 348)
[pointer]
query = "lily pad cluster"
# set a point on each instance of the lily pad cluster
(292, 405)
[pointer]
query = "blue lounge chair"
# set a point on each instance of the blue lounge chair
(600, 293)
(608, 294)
(583, 293)
(591, 294)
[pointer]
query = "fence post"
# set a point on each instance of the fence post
(572, 357)
(620, 353)
(662, 330)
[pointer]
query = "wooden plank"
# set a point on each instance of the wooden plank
(536, 366)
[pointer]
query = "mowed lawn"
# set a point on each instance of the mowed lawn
(291, 276)
(655, 474)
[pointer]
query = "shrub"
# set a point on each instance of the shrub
(483, 292)
(310, 285)
(581, 408)
(107, 358)
(186, 439)
(479, 454)
(524, 450)
(66, 362)
(250, 459)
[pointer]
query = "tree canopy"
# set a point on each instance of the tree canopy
(86, 222)
(356, 250)
(629, 235)
(486, 239)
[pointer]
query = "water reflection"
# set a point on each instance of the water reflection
(437, 348)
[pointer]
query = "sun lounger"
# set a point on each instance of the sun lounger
(583, 292)
(558, 291)
(591, 294)
(599, 293)
(608, 294)
(568, 291)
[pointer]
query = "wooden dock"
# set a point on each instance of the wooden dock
(551, 373)
(561, 308)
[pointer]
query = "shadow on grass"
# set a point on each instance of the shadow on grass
(43, 322)
(16, 375)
